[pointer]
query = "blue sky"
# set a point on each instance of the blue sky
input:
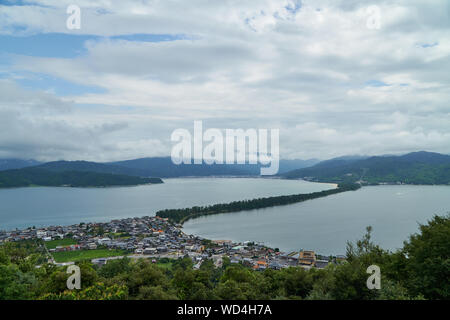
(63, 45)
(60, 45)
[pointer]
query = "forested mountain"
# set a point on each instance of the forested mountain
(164, 167)
(413, 168)
(289, 165)
(88, 166)
(8, 164)
(35, 176)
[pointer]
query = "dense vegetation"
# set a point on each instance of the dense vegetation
(182, 215)
(413, 168)
(35, 176)
(89, 166)
(164, 167)
(8, 164)
(418, 271)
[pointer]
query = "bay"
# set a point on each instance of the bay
(44, 206)
(326, 224)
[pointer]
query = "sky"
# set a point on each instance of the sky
(336, 77)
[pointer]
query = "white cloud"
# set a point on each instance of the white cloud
(253, 64)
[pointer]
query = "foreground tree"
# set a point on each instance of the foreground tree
(427, 260)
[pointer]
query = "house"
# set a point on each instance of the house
(161, 249)
(41, 234)
(150, 251)
(218, 261)
(247, 262)
(104, 241)
(307, 258)
(260, 266)
(275, 265)
(221, 242)
(121, 245)
(320, 264)
(75, 247)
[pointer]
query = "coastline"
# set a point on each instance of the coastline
(87, 187)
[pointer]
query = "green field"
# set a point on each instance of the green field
(78, 255)
(164, 265)
(63, 242)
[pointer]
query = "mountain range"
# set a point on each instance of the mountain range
(22, 173)
(413, 168)
(154, 167)
(164, 167)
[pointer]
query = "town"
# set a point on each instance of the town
(156, 238)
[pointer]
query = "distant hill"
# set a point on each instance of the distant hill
(88, 166)
(340, 161)
(413, 168)
(289, 165)
(36, 176)
(8, 164)
(164, 167)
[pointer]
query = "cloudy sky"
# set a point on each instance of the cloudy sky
(337, 77)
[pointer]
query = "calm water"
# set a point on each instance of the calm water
(43, 206)
(325, 224)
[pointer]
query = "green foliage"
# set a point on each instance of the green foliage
(98, 291)
(297, 282)
(428, 260)
(155, 293)
(14, 284)
(115, 267)
(414, 168)
(35, 176)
